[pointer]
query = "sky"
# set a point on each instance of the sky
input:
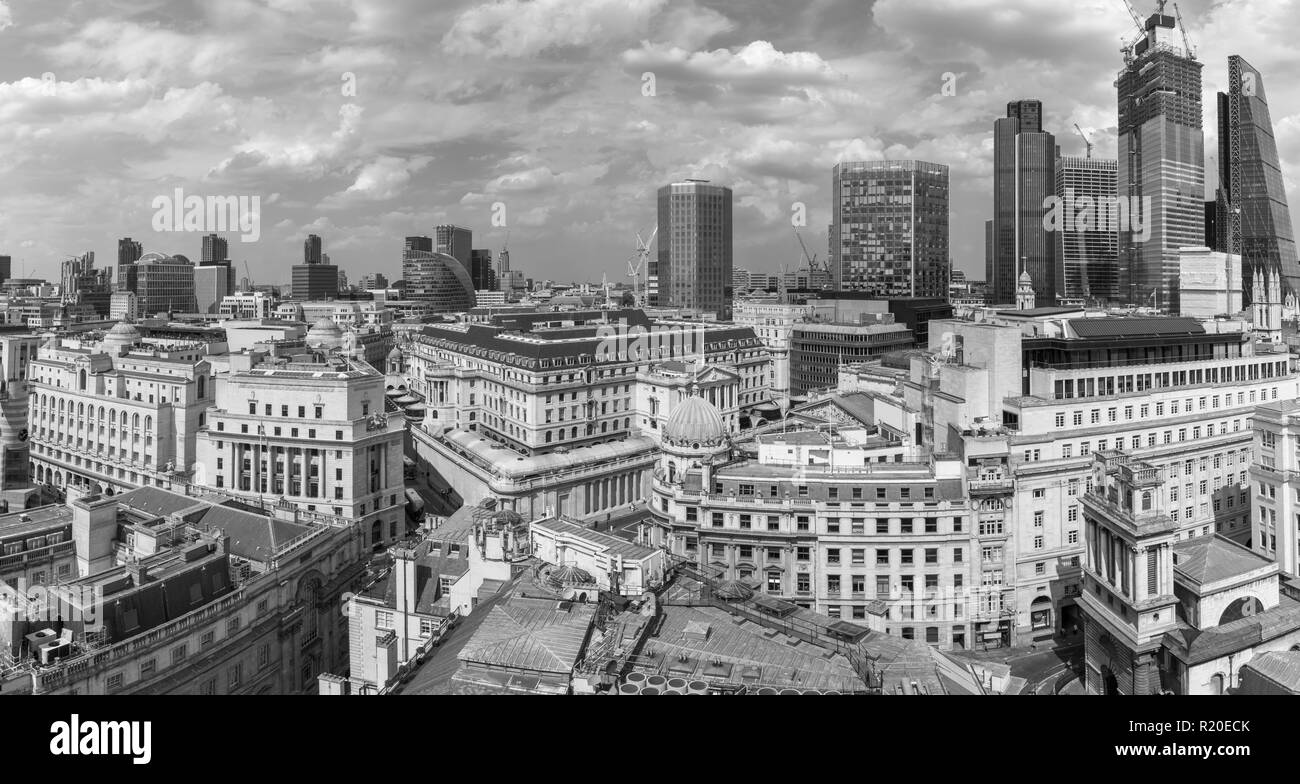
(546, 124)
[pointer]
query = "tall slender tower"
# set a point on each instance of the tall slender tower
(1024, 176)
(1161, 160)
(694, 260)
(1252, 199)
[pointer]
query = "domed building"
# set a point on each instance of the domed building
(118, 340)
(325, 335)
(695, 437)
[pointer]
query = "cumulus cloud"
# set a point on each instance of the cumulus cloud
(526, 28)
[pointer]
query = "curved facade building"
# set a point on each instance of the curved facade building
(438, 280)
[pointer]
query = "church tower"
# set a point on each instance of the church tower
(1025, 292)
(1128, 601)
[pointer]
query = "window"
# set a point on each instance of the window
(832, 583)
(207, 638)
(803, 553)
(233, 676)
(179, 653)
(882, 586)
(932, 555)
(833, 556)
(1038, 542)
(1040, 568)
(147, 668)
(1038, 519)
(859, 556)
(906, 556)
(802, 583)
(882, 557)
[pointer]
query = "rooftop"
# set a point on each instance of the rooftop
(1206, 560)
(1135, 326)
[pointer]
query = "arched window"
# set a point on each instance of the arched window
(203, 387)
(135, 421)
(1146, 500)
(81, 379)
(1216, 684)
(148, 424)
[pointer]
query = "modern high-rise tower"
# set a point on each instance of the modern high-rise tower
(1087, 256)
(1024, 176)
(889, 229)
(311, 250)
(215, 248)
(1161, 161)
(1256, 220)
(128, 253)
(694, 258)
(454, 241)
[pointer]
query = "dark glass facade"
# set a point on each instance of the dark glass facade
(438, 280)
(1024, 176)
(693, 266)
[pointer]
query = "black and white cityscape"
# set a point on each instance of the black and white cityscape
(649, 347)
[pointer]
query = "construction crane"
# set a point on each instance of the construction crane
(1187, 42)
(249, 273)
(1085, 138)
(1127, 47)
(638, 268)
(811, 261)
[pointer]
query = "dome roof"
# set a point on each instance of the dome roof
(570, 575)
(325, 324)
(1024, 278)
(123, 330)
(396, 353)
(695, 421)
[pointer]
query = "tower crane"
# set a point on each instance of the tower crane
(811, 261)
(1085, 138)
(1187, 42)
(638, 268)
(1127, 49)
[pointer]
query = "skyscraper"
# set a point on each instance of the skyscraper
(1087, 257)
(889, 234)
(1024, 175)
(436, 279)
(1256, 220)
(481, 271)
(164, 284)
(213, 281)
(1161, 161)
(6, 268)
(128, 253)
(694, 259)
(455, 241)
(311, 250)
(215, 248)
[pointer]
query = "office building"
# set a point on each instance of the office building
(1027, 399)
(191, 596)
(573, 395)
(889, 236)
(163, 284)
(818, 350)
(16, 353)
(481, 271)
(213, 282)
(454, 241)
(215, 248)
(437, 281)
(82, 284)
(6, 268)
(122, 306)
(115, 414)
(693, 268)
(311, 250)
(315, 281)
(374, 280)
(1161, 162)
(1251, 190)
(312, 433)
(1209, 283)
(773, 322)
(1024, 177)
(1088, 255)
(128, 252)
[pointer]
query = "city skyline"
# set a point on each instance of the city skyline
(766, 115)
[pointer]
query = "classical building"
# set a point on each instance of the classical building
(174, 594)
(1026, 402)
(311, 433)
(540, 409)
(117, 413)
(1165, 613)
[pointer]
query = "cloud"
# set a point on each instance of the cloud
(6, 17)
(380, 180)
(527, 28)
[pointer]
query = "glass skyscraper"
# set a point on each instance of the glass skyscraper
(1024, 176)
(1087, 258)
(889, 234)
(1161, 159)
(693, 266)
(1252, 196)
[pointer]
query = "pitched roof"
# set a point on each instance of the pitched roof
(1281, 667)
(1244, 633)
(541, 635)
(1212, 559)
